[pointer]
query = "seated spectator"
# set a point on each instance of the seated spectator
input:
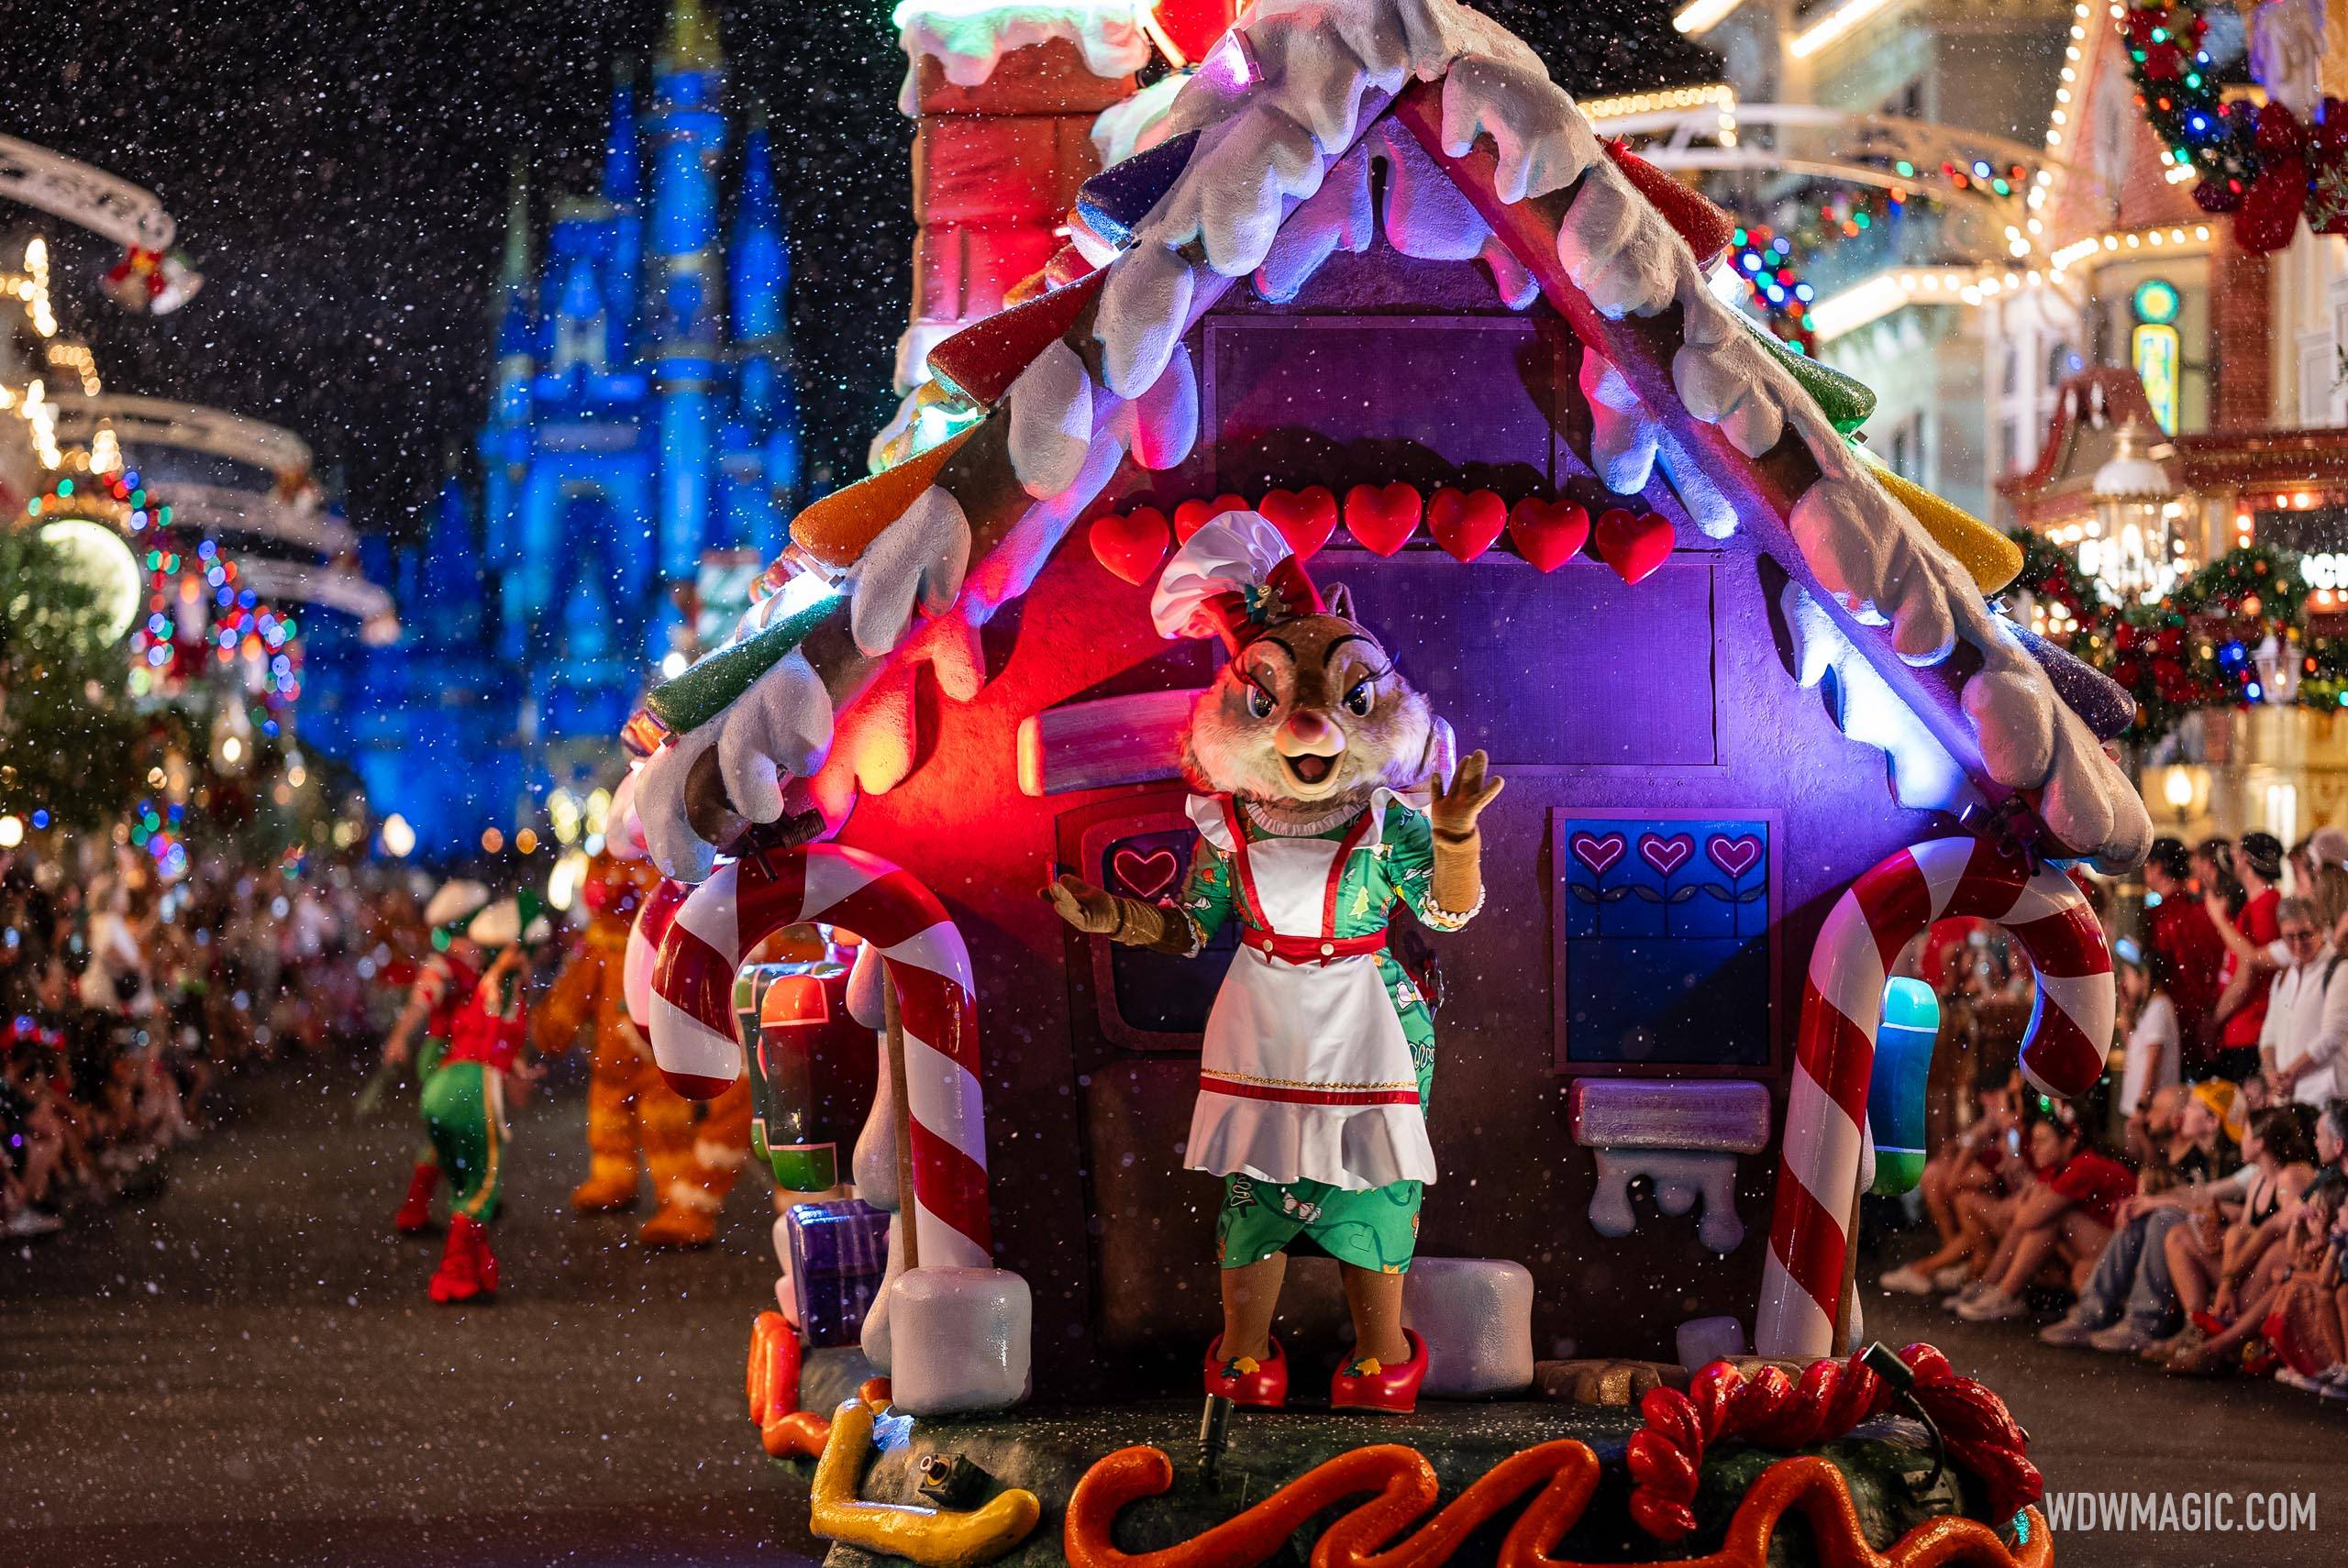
(2129, 1302)
(2063, 1217)
(2211, 1260)
(1963, 1185)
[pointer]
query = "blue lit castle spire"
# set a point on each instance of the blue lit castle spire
(642, 422)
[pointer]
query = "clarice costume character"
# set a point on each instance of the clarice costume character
(1319, 1054)
(464, 1101)
(693, 1151)
(441, 989)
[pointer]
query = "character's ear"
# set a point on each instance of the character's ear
(1340, 603)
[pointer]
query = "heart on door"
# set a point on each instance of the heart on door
(1466, 522)
(1145, 875)
(1633, 545)
(1735, 856)
(1597, 851)
(1549, 533)
(1666, 854)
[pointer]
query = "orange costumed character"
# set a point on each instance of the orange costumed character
(693, 1151)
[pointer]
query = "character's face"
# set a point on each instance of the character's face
(1312, 711)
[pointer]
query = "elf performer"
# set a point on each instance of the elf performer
(440, 990)
(693, 1151)
(464, 1101)
(1319, 1053)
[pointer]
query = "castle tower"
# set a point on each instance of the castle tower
(505, 437)
(767, 403)
(623, 193)
(685, 282)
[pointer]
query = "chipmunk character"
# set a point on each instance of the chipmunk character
(1320, 1051)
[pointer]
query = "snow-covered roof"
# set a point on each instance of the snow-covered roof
(1289, 110)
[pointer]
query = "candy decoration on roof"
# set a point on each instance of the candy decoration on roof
(1990, 559)
(1115, 200)
(1704, 227)
(980, 361)
(2107, 706)
(1847, 401)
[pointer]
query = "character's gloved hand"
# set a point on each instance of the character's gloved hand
(1083, 905)
(1127, 921)
(1453, 811)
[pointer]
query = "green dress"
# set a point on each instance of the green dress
(1377, 1228)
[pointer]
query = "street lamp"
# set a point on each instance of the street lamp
(2129, 546)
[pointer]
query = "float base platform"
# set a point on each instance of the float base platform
(1048, 1451)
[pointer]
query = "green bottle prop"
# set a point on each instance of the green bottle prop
(780, 1009)
(1903, 1061)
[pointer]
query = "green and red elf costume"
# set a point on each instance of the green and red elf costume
(1318, 1058)
(438, 993)
(464, 1101)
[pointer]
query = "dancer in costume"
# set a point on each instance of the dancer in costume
(693, 1151)
(464, 1101)
(1319, 1053)
(442, 988)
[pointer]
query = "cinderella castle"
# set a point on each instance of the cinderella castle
(641, 445)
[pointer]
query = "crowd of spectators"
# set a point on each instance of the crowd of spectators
(2192, 1211)
(127, 1001)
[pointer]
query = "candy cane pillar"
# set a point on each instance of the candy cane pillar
(2046, 913)
(699, 1053)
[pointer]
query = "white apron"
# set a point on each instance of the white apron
(1305, 1073)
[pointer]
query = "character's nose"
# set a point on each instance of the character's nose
(1308, 732)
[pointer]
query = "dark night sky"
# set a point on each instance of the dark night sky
(338, 172)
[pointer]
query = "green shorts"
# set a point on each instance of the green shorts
(1376, 1229)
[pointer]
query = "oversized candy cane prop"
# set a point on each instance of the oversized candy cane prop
(653, 919)
(699, 1053)
(2063, 1051)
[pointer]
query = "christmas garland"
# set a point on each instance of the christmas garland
(2259, 162)
(2200, 648)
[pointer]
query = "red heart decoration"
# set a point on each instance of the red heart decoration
(1549, 533)
(1194, 515)
(1146, 875)
(1666, 855)
(1382, 521)
(1305, 517)
(1131, 545)
(1633, 545)
(1466, 522)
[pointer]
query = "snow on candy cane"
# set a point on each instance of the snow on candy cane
(699, 1053)
(2047, 915)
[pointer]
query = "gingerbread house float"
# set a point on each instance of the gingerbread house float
(1370, 273)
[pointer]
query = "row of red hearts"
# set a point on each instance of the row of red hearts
(1383, 518)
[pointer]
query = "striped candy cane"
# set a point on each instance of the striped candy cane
(695, 1041)
(2046, 914)
(653, 919)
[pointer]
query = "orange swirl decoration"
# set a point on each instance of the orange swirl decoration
(1566, 1471)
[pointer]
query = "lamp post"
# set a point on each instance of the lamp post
(2131, 545)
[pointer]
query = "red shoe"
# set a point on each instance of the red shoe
(459, 1276)
(415, 1209)
(1364, 1384)
(1256, 1385)
(485, 1261)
